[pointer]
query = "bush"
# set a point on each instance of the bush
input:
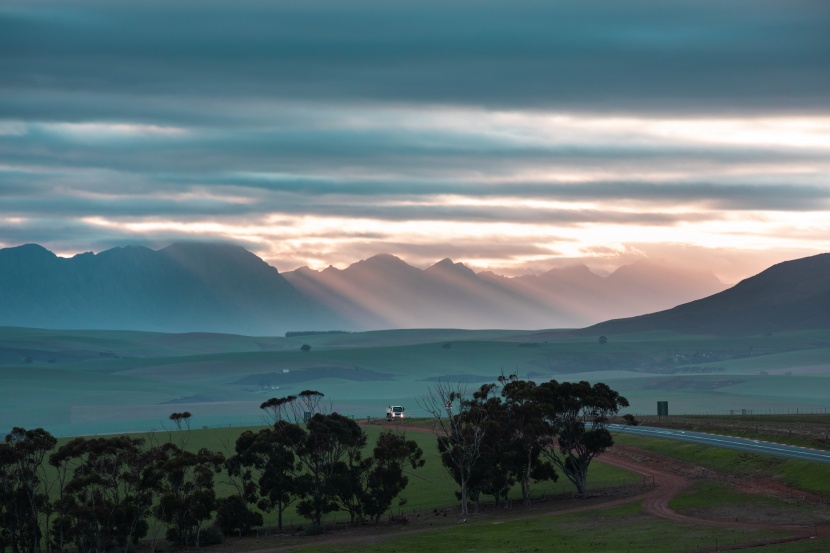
(234, 516)
(314, 530)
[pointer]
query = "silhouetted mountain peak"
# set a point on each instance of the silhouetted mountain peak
(212, 257)
(28, 252)
(448, 266)
(183, 287)
(383, 259)
(380, 263)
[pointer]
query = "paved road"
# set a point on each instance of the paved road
(741, 444)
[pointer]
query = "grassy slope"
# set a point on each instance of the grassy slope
(430, 487)
(617, 529)
(811, 477)
(107, 381)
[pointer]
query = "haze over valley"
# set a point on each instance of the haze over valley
(760, 346)
(635, 193)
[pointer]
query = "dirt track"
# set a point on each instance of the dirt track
(667, 485)
(668, 482)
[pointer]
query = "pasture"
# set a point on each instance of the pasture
(556, 520)
(85, 382)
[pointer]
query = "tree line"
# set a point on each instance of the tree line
(99, 494)
(515, 431)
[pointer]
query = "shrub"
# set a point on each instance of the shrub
(234, 516)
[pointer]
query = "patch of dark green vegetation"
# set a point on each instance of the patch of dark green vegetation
(670, 361)
(297, 333)
(459, 378)
(190, 399)
(692, 384)
(23, 356)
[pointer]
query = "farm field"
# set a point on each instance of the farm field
(82, 382)
(647, 494)
(612, 520)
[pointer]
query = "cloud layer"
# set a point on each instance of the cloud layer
(515, 137)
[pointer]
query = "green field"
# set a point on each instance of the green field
(82, 382)
(429, 487)
(616, 530)
(549, 524)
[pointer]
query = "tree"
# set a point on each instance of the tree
(579, 414)
(459, 435)
(186, 496)
(329, 441)
(267, 466)
(366, 488)
(279, 409)
(529, 433)
(309, 401)
(295, 409)
(493, 473)
(108, 498)
(22, 495)
(385, 478)
(182, 421)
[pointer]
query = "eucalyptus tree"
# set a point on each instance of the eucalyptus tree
(386, 477)
(266, 465)
(579, 415)
(295, 409)
(186, 495)
(458, 425)
(182, 423)
(528, 433)
(494, 472)
(22, 487)
(107, 500)
(329, 441)
(366, 487)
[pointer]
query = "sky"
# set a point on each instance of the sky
(513, 136)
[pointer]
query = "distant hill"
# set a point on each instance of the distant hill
(206, 287)
(789, 296)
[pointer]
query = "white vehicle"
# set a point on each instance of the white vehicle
(394, 412)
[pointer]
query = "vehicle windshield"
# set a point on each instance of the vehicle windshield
(397, 409)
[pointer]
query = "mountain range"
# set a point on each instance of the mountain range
(224, 288)
(385, 292)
